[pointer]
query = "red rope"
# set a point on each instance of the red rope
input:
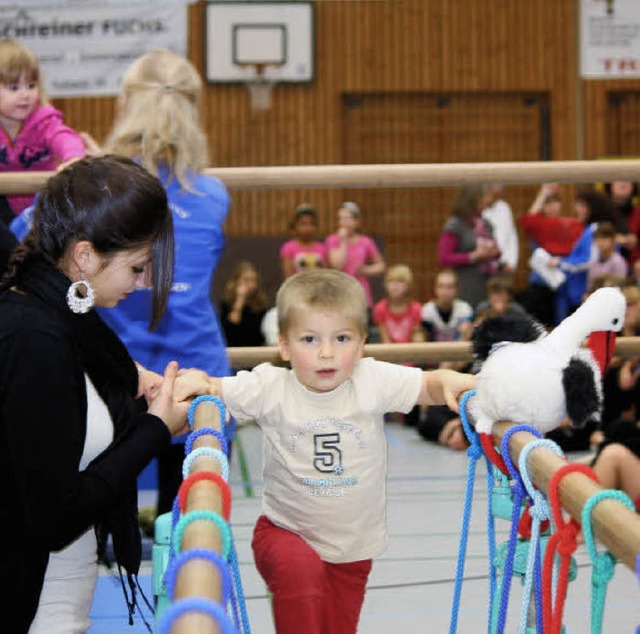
(216, 478)
(486, 440)
(564, 541)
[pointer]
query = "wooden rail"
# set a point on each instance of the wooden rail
(387, 175)
(430, 352)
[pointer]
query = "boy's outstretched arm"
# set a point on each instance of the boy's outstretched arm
(445, 387)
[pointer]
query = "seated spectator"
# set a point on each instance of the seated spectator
(243, 306)
(500, 298)
(446, 317)
(606, 259)
(398, 315)
(439, 424)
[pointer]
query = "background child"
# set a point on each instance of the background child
(303, 251)
(398, 315)
(352, 252)
(606, 258)
(500, 298)
(243, 307)
(446, 317)
(32, 135)
(325, 450)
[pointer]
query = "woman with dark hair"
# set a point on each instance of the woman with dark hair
(74, 434)
(467, 245)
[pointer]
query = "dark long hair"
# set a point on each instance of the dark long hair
(112, 202)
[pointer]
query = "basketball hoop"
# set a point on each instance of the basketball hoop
(260, 88)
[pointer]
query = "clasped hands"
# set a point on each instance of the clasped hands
(170, 395)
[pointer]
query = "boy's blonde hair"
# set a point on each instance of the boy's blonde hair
(159, 119)
(321, 289)
(15, 59)
(631, 294)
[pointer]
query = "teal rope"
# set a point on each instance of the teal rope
(603, 563)
(539, 511)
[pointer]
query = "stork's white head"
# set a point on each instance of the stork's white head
(603, 310)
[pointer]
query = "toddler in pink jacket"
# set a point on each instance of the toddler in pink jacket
(32, 133)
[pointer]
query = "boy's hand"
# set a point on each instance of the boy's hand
(445, 387)
(192, 382)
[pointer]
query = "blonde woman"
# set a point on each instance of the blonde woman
(159, 125)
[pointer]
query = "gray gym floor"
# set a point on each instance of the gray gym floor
(411, 586)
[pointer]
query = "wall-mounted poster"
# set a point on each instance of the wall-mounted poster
(610, 38)
(84, 48)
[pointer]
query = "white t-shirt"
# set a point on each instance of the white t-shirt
(325, 454)
(72, 573)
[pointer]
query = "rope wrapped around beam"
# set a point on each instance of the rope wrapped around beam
(616, 526)
(389, 176)
(198, 577)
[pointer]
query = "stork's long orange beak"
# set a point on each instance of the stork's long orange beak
(602, 344)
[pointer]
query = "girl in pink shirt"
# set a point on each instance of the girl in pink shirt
(303, 251)
(32, 134)
(354, 253)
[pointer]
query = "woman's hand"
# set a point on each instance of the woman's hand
(149, 383)
(173, 413)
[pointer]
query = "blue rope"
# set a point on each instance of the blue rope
(474, 452)
(212, 399)
(171, 574)
(519, 494)
(540, 511)
(222, 439)
(195, 604)
(603, 563)
(238, 596)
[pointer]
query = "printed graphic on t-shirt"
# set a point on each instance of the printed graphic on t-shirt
(327, 443)
(306, 260)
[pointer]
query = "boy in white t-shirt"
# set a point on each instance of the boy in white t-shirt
(324, 450)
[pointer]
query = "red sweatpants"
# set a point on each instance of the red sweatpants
(309, 595)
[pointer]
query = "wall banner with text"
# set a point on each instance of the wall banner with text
(84, 51)
(610, 39)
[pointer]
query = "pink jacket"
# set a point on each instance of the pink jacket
(42, 143)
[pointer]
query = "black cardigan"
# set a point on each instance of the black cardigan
(45, 350)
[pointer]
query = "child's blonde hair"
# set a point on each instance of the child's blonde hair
(16, 59)
(321, 289)
(400, 273)
(159, 119)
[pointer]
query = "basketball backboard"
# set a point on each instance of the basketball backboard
(268, 40)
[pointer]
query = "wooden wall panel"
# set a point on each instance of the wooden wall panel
(392, 47)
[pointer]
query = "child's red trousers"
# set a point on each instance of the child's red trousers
(309, 594)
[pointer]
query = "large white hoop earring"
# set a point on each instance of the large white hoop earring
(77, 303)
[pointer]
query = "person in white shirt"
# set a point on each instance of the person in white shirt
(500, 215)
(324, 449)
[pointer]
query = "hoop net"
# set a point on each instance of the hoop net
(260, 88)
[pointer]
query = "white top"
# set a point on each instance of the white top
(500, 216)
(324, 461)
(72, 573)
(449, 330)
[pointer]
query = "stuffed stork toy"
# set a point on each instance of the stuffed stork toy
(533, 378)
